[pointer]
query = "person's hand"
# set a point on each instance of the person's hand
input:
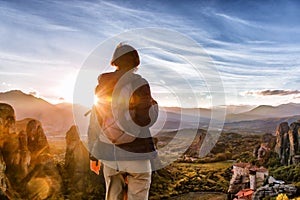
(95, 166)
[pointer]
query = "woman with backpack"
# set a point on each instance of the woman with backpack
(119, 132)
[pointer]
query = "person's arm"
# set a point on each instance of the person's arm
(144, 106)
(92, 139)
(92, 132)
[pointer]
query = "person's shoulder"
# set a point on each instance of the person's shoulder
(139, 80)
(106, 76)
(140, 83)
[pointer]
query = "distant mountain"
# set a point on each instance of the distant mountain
(54, 118)
(205, 112)
(57, 119)
(258, 126)
(235, 109)
(174, 119)
(281, 110)
(265, 112)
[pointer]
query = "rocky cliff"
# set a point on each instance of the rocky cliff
(288, 142)
(27, 168)
(79, 181)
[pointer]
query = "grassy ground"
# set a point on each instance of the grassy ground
(190, 179)
(201, 196)
(178, 181)
(57, 148)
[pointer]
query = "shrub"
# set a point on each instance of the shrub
(282, 197)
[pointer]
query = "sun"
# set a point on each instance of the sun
(66, 88)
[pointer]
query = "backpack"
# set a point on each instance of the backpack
(109, 131)
(107, 123)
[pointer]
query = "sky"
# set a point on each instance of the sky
(252, 48)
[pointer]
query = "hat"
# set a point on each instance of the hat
(125, 57)
(121, 50)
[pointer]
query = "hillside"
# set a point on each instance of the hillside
(258, 126)
(56, 119)
(265, 112)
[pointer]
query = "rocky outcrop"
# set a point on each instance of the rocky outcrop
(79, 181)
(194, 148)
(8, 149)
(3, 179)
(282, 142)
(9, 141)
(274, 190)
(29, 171)
(36, 138)
(76, 161)
(42, 171)
(27, 168)
(294, 137)
(288, 143)
(262, 152)
(7, 119)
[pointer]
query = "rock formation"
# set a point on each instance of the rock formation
(274, 190)
(42, 171)
(29, 171)
(288, 143)
(194, 148)
(76, 160)
(3, 179)
(25, 162)
(294, 137)
(7, 119)
(262, 152)
(79, 180)
(36, 138)
(8, 149)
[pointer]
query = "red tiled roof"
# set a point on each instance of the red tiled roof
(250, 167)
(242, 165)
(258, 169)
(245, 193)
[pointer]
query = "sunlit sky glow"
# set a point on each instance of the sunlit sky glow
(254, 45)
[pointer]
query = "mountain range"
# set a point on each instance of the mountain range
(58, 118)
(55, 118)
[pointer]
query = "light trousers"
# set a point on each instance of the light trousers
(127, 179)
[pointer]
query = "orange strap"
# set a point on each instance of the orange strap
(95, 166)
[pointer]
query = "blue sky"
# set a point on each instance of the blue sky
(254, 45)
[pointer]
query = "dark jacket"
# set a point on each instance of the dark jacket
(143, 111)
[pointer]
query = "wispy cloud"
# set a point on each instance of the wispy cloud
(272, 92)
(296, 97)
(236, 20)
(27, 19)
(15, 74)
(26, 59)
(252, 52)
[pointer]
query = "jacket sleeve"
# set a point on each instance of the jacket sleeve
(93, 130)
(144, 107)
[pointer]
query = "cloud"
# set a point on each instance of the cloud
(34, 93)
(31, 60)
(14, 74)
(296, 97)
(272, 93)
(246, 46)
(31, 20)
(236, 19)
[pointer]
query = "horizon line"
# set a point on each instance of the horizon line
(48, 100)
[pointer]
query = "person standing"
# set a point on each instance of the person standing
(123, 141)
